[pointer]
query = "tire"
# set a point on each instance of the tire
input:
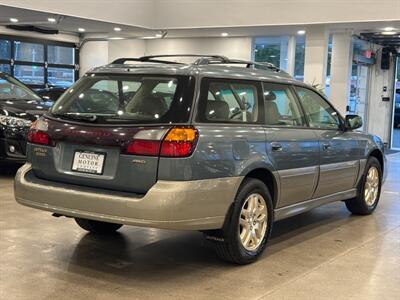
(97, 227)
(227, 242)
(364, 204)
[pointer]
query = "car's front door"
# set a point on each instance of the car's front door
(339, 150)
(292, 147)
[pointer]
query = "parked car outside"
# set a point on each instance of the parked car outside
(208, 146)
(19, 107)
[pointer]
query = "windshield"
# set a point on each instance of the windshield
(133, 99)
(12, 89)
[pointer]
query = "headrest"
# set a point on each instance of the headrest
(269, 96)
(217, 110)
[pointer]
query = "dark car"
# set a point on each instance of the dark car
(223, 146)
(51, 93)
(396, 121)
(19, 107)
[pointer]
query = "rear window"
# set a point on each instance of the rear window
(132, 99)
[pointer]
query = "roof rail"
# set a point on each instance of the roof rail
(249, 64)
(202, 60)
(152, 58)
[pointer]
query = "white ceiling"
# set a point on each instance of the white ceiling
(95, 28)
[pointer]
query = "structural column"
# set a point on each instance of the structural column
(342, 52)
(291, 54)
(316, 53)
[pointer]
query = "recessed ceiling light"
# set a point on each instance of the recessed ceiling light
(81, 29)
(52, 20)
(148, 37)
(224, 34)
(117, 29)
(388, 29)
(301, 32)
(158, 35)
(14, 20)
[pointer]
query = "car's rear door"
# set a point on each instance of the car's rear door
(339, 149)
(291, 145)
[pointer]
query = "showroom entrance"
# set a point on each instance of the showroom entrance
(359, 92)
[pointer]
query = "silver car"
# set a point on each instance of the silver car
(223, 146)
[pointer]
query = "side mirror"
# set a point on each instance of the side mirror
(353, 121)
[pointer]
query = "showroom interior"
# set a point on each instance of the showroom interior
(347, 50)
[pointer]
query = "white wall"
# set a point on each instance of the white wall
(239, 48)
(126, 48)
(92, 54)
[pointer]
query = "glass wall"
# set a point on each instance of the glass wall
(299, 58)
(328, 68)
(38, 63)
(274, 49)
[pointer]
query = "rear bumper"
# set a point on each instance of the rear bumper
(181, 205)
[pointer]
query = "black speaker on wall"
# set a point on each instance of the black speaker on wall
(385, 58)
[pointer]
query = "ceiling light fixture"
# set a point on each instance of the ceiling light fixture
(51, 20)
(158, 35)
(224, 34)
(388, 32)
(301, 32)
(117, 29)
(81, 29)
(388, 29)
(13, 20)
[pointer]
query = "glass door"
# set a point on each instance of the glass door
(395, 143)
(359, 93)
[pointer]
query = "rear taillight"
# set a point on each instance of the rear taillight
(178, 142)
(144, 147)
(38, 133)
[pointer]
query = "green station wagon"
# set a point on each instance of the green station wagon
(222, 146)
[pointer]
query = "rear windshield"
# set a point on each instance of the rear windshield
(131, 99)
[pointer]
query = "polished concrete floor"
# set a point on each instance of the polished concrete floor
(323, 254)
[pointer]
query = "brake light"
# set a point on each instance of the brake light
(179, 142)
(144, 147)
(37, 133)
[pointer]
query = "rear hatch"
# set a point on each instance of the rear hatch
(106, 131)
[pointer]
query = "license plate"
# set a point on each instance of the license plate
(88, 162)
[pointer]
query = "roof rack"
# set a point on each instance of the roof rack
(202, 60)
(152, 58)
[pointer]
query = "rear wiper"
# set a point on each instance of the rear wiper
(91, 118)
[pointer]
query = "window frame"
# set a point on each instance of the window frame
(341, 126)
(296, 100)
(12, 62)
(204, 89)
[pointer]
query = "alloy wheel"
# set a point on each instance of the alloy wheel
(253, 222)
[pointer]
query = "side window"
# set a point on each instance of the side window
(318, 112)
(231, 102)
(280, 106)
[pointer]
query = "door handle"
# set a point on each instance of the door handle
(326, 147)
(276, 147)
